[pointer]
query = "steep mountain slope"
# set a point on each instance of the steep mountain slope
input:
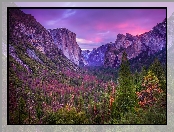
(95, 57)
(46, 85)
(144, 60)
(37, 68)
(150, 42)
(84, 56)
(66, 41)
(111, 56)
(34, 41)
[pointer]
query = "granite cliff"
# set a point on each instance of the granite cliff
(62, 42)
(25, 31)
(110, 55)
(66, 41)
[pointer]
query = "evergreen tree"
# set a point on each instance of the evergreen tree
(139, 78)
(126, 94)
(159, 72)
(22, 112)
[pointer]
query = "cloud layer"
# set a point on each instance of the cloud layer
(95, 27)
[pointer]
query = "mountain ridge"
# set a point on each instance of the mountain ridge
(61, 41)
(153, 41)
(31, 37)
(47, 83)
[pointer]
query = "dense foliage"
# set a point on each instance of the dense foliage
(47, 93)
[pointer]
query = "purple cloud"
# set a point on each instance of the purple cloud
(95, 27)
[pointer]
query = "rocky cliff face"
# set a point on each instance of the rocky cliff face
(111, 56)
(150, 42)
(62, 42)
(66, 41)
(84, 57)
(24, 29)
(95, 57)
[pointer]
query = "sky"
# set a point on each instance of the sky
(96, 27)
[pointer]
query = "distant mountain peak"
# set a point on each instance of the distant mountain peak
(152, 42)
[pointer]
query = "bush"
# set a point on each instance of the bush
(66, 115)
(150, 95)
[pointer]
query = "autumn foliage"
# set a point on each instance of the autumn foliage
(148, 96)
(50, 96)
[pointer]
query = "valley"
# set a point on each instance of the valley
(51, 80)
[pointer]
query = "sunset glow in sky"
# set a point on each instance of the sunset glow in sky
(96, 27)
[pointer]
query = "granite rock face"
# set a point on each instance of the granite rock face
(25, 30)
(111, 56)
(95, 57)
(66, 41)
(84, 57)
(150, 42)
(61, 42)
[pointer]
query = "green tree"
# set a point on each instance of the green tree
(126, 93)
(22, 115)
(159, 72)
(138, 78)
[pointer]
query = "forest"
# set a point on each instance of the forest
(91, 95)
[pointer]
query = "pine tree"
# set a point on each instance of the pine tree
(139, 78)
(126, 94)
(22, 112)
(159, 72)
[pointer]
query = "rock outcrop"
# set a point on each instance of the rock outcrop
(84, 57)
(61, 42)
(111, 56)
(95, 57)
(26, 26)
(25, 30)
(66, 41)
(150, 42)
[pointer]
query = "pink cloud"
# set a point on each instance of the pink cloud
(97, 39)
(122, 25)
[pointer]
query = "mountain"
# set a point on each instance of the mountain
(61, 41)
(151, 42)
(95, 57)
(110, 54)
(46, 84)
(37, 67)
(32, 40)
(145, 60)
(84, 56)
(66, 41)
